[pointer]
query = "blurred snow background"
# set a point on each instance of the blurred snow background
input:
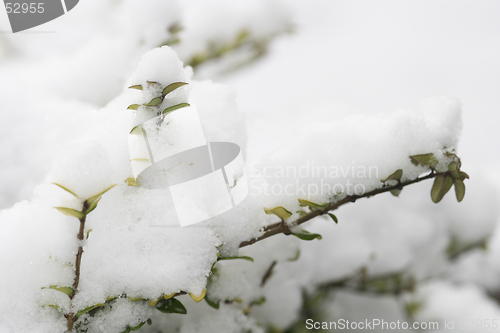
(343, 58)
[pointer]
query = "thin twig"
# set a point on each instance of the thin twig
(71, 318)
(280, 227)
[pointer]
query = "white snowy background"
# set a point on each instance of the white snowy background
(344, 58)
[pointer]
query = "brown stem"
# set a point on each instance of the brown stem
(280, 227)
(78, 260)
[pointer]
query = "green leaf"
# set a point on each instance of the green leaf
(88, 233)
(424, 159)
(453, 167)
(67, 290)
(93, 205)
(92, 199)
(70, 212)
(260, 301)
(175, 107)
(394, 176)
(66, 189)
(301, 213)
(306, 235)
(441, 186)
(297, 256)
(137, 130)
(459, 189)
(279, 211)
(152, 82)
(239, 257)
(131, 181)
(54, 307)
(138, 326)
(137, 86)
(334, 218)
(90, 308)
(396, 192)
(213, 304)
(170, 305)
(171, 87)
(154, 102)
(133, 107)
(312, 205)
(198, 298)
(463, 175)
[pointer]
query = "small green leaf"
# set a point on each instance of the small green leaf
(259, 301)
(154, 102)
(138, 326)
(459, 189)
(93, 206)
(175, 107)
(198, 298)
(424, 159)
(171, 305)
(306, 235)
(66, 189)
(70, 212)
(137, 130)
(441, 186)
(152, 82)
(396, 175)
(130, 181)
(171, 87)
(92, 199)
(213, 304)
(88, 233)
(334, 218)
(239, 257)
(54, 307)
(154, 302)
(396, 192)
(463, 175)
(137, 86)
(453, 167)
(312, 205)
(133, 107)
(297, 256)
(301, 213)
(149, 321)
(279, 211)
(90, 308)
(67, 290)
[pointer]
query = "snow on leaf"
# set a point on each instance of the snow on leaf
(198, 298)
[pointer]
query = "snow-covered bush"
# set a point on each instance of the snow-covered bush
(130, 259)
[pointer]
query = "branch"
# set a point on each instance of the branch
(284, 228)
(70, 317)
